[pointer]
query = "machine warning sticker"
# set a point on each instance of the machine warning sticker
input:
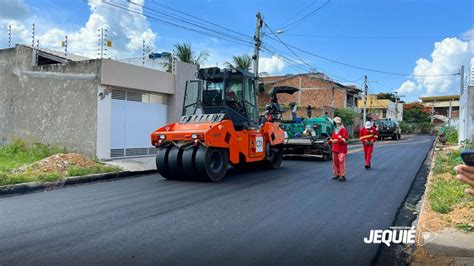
(259, 144)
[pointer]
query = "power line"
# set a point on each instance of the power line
(199, 19)
(293, 52)
(188, 22)
(365, 68)
(363, 37)
(306, 16)
(240, 42)
(298, 13)
(330, 75)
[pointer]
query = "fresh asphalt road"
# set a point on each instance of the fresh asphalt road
(292, 215)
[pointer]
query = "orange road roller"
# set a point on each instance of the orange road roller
(220, 126)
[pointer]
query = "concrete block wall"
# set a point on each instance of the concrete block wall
(183, 72)
(54, 104)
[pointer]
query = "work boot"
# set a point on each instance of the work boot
(342, 179)
(367, 166)
(336, 177)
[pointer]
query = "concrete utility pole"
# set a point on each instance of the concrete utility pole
(450, 112)
(461, 72)
(366, 88)
(258, 42)
(397, 97)
(432, 111)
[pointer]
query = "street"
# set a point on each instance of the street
(292, 215)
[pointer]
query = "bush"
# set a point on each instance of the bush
(346, 114)
(451, 135)
(416, 128)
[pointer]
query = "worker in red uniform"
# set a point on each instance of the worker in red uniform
(339, 140)
(368, 135)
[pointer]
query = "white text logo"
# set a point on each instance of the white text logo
(395, 235)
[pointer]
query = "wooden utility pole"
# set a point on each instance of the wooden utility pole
(258, 42)
(366, 88)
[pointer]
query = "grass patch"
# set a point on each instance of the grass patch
(465, 228)
(445, 162)
(98, 169)
(20, 153)
(445, 194)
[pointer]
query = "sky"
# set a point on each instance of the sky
(422, 43)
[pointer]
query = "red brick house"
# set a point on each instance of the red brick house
(316, 90)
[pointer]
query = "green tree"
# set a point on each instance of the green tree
(416, 113)
(346, 114)
(243, 62)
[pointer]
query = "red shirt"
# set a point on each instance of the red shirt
(370, 134)
(342, 137)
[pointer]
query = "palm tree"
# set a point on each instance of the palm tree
(243, 62)
(185, 53)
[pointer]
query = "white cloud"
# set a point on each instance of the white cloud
(408, 87)
(447, 57)
(127, 29)
(271, 64)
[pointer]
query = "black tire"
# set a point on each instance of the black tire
(174, 162)
(162, 162)
(273, 155)
(327, 152)
(187, 160)
(399, 136)
(211, 163)
(395, 136)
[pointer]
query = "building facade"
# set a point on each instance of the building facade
(382, 108)
(99, 107)
(444, 109)
(315, 90)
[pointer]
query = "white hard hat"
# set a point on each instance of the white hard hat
(337, 120)
(368, 124)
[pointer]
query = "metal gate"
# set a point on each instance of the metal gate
(134, 116)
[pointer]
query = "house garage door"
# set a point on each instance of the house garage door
(134, 116)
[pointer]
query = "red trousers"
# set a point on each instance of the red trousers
(339, 163)
(368, 149)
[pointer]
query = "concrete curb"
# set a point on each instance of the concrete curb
(24, 188)
(447, 242)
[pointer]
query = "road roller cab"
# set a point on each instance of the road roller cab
(219, 127)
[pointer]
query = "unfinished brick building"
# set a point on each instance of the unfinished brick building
(316, 90)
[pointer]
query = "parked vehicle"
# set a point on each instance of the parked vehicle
(305, 136)
(219, 127)
(388, 128)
